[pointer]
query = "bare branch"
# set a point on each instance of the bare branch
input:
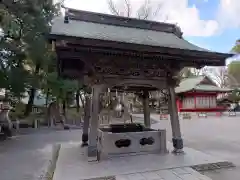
(144, 11)
(147, 10)
(113, 8)
(157, 10)
(221, 76)
(128, 6)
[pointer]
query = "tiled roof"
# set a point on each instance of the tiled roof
(93, 30)
(194, 83)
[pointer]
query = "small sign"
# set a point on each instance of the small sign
(202, 115)
(186, 116)
(232, 113)
(163, 116)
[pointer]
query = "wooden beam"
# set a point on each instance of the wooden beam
(182, 60)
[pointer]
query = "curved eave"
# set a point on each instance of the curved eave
(109, 46)
(204, 91)
(214, 109)
(133, 89)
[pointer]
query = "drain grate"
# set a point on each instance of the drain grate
(213, 166)
(103, 178)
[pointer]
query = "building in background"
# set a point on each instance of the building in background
(199, 94)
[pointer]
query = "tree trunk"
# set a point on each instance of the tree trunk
(82, 101)
(47, 98)
(77, 100)
(47, 109)
(29, 105)
(32, 93)
(64, 107)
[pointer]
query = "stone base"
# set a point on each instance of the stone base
(72, 164)
(92, 151)
(178, 151)
(84, 144)
(115, 144)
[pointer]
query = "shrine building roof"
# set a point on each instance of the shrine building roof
(197, 84)
(168, 36)
(90, 25)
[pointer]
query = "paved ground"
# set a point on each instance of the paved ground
(23, 157)
(72, 165)
(215, 136)
(170, 174)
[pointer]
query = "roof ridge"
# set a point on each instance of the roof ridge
(193, 77)
(103, 18)
(210, 79)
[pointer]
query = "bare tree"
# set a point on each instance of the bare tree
(114, 10)
(220, 76)
(146, 11)
(187, 72)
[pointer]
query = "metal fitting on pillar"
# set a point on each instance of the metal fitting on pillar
(177, 145)
(84, 140)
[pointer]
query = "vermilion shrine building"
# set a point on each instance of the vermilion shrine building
(199, 94)
(104, 51)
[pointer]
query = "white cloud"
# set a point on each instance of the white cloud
(176, 12)
(234, 58)
(88, 5)
(228, 13)
(188, 19)
(202, 45)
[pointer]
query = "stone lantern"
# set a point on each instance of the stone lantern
(5, 121)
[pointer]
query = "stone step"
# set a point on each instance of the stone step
(185, 173)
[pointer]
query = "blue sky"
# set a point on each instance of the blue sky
(211, 24)
(222, 41)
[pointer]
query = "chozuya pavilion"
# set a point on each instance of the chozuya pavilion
(110, 52)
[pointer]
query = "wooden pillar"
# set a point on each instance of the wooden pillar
(175, 124)
(195, 101)
(94, 122)
(87, 116)
(146, 110)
